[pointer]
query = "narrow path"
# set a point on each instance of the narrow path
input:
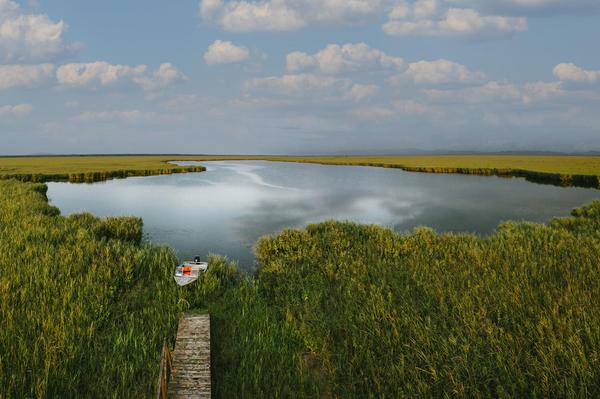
(191, 359)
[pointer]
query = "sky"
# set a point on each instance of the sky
(299, 76)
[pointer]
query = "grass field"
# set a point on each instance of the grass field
(560, 170)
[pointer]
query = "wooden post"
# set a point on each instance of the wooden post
(160, 374)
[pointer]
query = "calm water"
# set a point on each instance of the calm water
(226, 209)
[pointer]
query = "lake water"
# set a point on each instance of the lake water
(227, 208)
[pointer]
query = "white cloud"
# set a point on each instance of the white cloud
(24, 75)
(359, 92)
(487, 18)
(309, 86)
(160, 79)
(208, 8)
(96, 72)
(8, 6)
(243, 16)
(284, 15)
(18, 110)
(426, 18)
(573, 73)
(437, 72)
(348, 57)
(336, 59)
(29, 37)
(105, 74)
(420, 9)
(527, 93)
(298, 61)
(222, 52)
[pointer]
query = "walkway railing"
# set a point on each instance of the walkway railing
(166, 366)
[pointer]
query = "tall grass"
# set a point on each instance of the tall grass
(84, 305)
(335, 310)
(427, 315)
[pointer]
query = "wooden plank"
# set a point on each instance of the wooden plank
(191, 359)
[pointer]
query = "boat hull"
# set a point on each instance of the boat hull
(189, 272)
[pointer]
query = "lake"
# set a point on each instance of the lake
(227, 208)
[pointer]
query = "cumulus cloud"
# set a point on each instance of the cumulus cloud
(348, 57)
(428, 18)
(284, 15)
(163, 77)
(356, 57)
(359, 92)
(309, 86)
(18, 110)
(223, 52)
(8, 6)
(527, 93)
(24, 75)
(96, 72)
(437, 72)
(569, 72)
(106, 74)
(29, 37)
(483, 18)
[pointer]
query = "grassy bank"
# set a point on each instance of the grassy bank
(581, 171)
(575, 171)
(335, 310)
(84, 169)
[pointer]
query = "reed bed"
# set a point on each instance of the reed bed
(84, 306)
(561, 170)
(334, 310)
(382, 314)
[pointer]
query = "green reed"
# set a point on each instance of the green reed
(84, 306)
(515, 314)
(334, 310)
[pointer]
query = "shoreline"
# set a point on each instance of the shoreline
(90, 169)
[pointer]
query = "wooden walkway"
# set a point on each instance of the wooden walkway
(190, 377)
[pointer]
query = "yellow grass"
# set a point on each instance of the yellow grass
(565, 170)
(574, 165)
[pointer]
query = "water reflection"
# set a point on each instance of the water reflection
(226, 209)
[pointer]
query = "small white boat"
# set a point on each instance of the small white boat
(189, 271)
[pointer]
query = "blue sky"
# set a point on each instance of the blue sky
(299, 76)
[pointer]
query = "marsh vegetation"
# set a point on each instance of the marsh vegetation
(335, 310)
(562, 170)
